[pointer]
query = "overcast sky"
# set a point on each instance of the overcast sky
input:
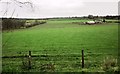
(57, 8)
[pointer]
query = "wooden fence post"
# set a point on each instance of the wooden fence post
(82, 58)
(29, 57)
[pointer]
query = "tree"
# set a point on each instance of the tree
(90, 16)
(21, 4)
(10, 23)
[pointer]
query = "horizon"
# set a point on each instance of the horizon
(57, 17)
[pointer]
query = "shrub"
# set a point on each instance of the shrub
(36, 22)
(10, 23)
(110, 64)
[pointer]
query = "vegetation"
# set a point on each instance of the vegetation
(8, 24)
(12, 23)
(56, 47)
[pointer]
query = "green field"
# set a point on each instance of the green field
(59, 43)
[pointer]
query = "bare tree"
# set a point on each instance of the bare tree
(19, 3)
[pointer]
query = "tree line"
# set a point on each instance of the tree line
(14, 23)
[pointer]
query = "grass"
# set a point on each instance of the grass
(62, 41)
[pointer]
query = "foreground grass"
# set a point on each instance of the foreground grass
(65, 39)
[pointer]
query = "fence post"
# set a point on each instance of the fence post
(29, 57)
(82, 58)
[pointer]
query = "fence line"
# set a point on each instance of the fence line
(30, 58)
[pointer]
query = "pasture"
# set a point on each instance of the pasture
(58, 43)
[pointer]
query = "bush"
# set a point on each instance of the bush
(36, 22)
(110, 64)
(10, 23)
